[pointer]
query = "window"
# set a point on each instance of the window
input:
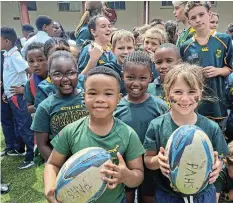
(31, 5)
(119, 5)
(69, 6)
(166, 3)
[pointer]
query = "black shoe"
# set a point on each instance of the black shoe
(14, 152)
(4, 188)
(26, 164)
(4, 152)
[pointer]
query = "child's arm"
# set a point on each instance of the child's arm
(211, 71)
(230, 195)
(52, 167)
(217, 197)
(95, 53)
(42, 140)
(131, 174)
(30, 108)
(154, 161)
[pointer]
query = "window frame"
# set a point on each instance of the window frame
(68, 2)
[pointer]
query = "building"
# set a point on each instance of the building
(129, 13)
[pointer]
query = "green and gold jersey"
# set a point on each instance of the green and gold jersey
(218, 53)
(184, 36)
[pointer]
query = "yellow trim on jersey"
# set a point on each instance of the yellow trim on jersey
(220, 41)
(193, 39)
(215, 118)
(48, 79)
(192, 30)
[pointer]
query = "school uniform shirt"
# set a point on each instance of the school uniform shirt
(138, 116)
(218, 53)
(41, 36)
(224, 184)
(23, 41)
(44, 89)
(84, 57)
(14, 73)
(83, 35)
(54, 113)
(156, 89)
(158, 133)
(122, 138)
(184, 36)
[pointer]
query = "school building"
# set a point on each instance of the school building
(129, 13)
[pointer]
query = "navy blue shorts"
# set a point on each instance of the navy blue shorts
(164, 197)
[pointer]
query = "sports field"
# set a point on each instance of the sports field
(26, 185)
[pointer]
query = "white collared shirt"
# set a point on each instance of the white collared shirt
(14, 73)
(41, 36)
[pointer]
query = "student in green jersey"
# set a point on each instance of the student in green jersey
(183, 87)
(213, 52)
(179, 14)
(166, 56)
(100, 128)
(61, 108)
(137, 109)
(224, 183)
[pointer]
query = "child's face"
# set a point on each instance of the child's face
(182, 98)
(64, 75)
(199, 18)
(56, 30)
(49, 29)
(38, 62)
(214, 22)
(103, 30)
(137, 78)
(122, 49)
(165, 59)
(101, 95)
(179, 12)
(4, 43)
(151, 44)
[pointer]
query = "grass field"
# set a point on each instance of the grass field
(26, 186)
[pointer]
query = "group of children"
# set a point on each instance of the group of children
(125, 94)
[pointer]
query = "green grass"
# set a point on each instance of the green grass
(26, 186)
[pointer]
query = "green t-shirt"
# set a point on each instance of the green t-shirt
(184, 36)
(158, 133)
(224, 184)
(218, 53)
(138, 116)
(55, 113)
(28, 94)
(44, 89)
(122, 138)
(156, 89)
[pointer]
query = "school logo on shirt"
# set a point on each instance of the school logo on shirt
(218, 53)
(204, 49)
(101, 62)
(113, 153)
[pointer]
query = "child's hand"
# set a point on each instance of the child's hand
(50, 196)
(4, 98)
(210, 71)
(115, 174)
(216, 169)
(17, 90)
(163, 162)
(95, 51)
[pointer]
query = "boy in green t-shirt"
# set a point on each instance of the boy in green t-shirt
(224, 183)
(100, 129)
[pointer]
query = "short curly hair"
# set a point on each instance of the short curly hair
(192, 4)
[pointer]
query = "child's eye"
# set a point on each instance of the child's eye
(143, 78)
(158, 62)
(130, 77)
(169, 60)
(91, 93)
(192, 91)
(108, 93)
(178, 92)
(193, 18)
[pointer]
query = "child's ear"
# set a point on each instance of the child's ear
(119, 97)
(225, 161)
(44, 27)
(122, 75)
(93, 32)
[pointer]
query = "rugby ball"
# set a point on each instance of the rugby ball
(191, 158)
(79, 179)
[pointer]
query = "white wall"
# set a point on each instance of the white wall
(127, 19)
